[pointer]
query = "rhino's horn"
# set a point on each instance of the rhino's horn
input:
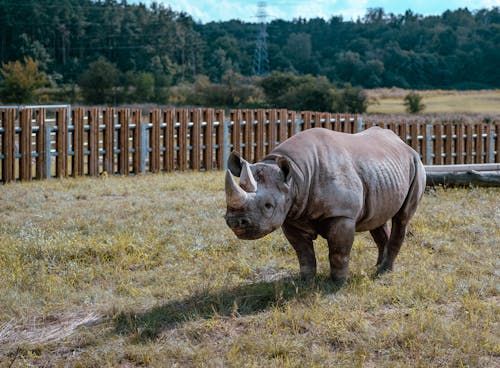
(235, 196)
(247, 181)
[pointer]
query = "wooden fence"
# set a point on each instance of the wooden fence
(43, 142)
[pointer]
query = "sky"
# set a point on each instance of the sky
(246, 10)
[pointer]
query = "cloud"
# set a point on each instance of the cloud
(210, 10)
(354, 9)
(487, 3)
(213, 10)
(246, 10)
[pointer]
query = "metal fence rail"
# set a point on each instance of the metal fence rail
(58, 141)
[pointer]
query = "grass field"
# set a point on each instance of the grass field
(390, 101)
(143, 271)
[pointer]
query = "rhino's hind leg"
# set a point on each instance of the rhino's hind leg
(398, 232)
(401, 220)
(303, 245)
(381, 237)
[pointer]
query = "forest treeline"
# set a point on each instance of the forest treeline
(153, 49)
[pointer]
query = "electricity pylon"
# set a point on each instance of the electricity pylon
(261, 60)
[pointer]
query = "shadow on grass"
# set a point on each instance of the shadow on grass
(242, 300)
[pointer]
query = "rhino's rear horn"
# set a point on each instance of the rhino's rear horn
(235, 163)
(236, 197)
(247, 181)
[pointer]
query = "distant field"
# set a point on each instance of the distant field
(143, 271)
(390, 101)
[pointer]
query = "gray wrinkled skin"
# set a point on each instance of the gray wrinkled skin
(321, 182)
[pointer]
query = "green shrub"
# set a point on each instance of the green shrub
(413, 103)
(98, 83)
(20, 81)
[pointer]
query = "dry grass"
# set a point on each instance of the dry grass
(143, 272)
(390, 101)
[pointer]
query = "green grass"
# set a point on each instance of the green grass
(479, 102)
(143, 271)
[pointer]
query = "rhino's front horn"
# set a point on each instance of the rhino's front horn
(235, 196)
(247, 181)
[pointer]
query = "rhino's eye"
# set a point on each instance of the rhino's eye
(268, 205)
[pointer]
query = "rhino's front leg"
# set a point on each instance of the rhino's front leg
(302, 242)
(340, 236)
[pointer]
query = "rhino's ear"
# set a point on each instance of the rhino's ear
(235, 163)
(284, 165)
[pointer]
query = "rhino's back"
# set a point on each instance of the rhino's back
(365, 175)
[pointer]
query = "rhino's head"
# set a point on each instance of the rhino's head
(260, 203)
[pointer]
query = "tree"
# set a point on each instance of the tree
(298, 50)
(143, 85)
(99, 81)
(275, 86)
(35, 50)
(311, 93)
(413, 103)
(351, 100)
(20, 81)
(233, 91)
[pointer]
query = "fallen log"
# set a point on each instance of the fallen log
(464, 178)
(462, 167)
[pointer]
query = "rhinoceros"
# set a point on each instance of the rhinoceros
(332, 184)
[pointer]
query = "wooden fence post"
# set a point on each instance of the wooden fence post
(414, 130)
(62, 143)
(336, 123)
(459, 143)
(137, 142)
(25, 116)
(168, 140)
(261, 121)
(108, 116)
(271, 131)
(347, 124)
(283, 129)
(40, 116)
(221, 151)
(78, 133)
(293, 128)
(195, 140)
(124, 122)
(306, 117)
(182, 139)
(394, 126)
(208, 139)
(427, 144)
(369, 123)
(479, 143)
(248, 117)
(235, 117)
(469, 141)
(93, 121)
(327, 117)
(448, 143)
(9, 145)
(154, 140)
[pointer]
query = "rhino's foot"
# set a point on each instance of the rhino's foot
(307, 274)
(338, 281)
(383, 267)
(339, 277)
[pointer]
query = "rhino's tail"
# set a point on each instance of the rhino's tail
(415, 192)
